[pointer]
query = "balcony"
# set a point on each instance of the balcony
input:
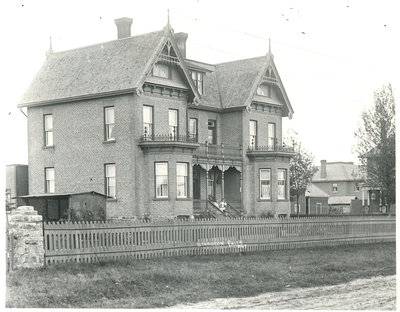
(170, 140)
(270, 150)
(218, 153)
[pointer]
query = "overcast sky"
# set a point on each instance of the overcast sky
(331, 55)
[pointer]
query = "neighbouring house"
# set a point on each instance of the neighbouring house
(16, 184)
(336, 188)
(342, 183)
(87, 206)
(160, 134)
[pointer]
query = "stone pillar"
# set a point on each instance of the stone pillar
(27, 228)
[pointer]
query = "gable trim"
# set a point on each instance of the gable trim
(277, 81)
(154, 58)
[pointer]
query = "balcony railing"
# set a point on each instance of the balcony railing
(218, 151)
(168, 138)
(271, 148)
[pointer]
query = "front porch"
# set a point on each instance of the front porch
(217, 176)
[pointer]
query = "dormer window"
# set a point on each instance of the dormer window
(264, 90)
(161, 70)
(197, 78)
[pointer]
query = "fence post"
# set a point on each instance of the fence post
(25, 226)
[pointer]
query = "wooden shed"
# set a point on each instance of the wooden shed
(86, 206)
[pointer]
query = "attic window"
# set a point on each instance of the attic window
(197, 78)
(270, 73)
(161, 70)
(264, 90)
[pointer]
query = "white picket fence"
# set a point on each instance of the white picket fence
(113, 240)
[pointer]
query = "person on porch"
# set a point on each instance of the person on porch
(222, 206)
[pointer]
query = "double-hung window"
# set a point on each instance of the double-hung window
(212, 131)
(148, 121)
(264, 90)
(253, 133)
(161, 173)
(334, 187)
(265, 183)
(110, 180)
(173, 123)
(281, 183)
(181, 180)
(109, 123)
(48, 130)
(161, 70)
(49, 177)
(271, 135)
(193, 131)
(197, 78)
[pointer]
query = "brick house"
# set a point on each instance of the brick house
(336, 188)
(160, 134)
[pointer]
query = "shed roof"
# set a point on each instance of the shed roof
(340, 200)
(60, 195)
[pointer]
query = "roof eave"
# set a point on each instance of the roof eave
(77, 98)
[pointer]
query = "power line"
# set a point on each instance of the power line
(352, 62)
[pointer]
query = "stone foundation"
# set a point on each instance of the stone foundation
(27, 228)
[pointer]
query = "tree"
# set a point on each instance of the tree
(376, 144)
(302, 168)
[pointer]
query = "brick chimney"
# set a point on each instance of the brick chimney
(323, 169)
(180, 39)
(124, 27)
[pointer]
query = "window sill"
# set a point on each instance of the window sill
(282, 200)
(161, 199)
(109, 141)
(264, 200)
(52, 147)
(183, 199)
(112, 200)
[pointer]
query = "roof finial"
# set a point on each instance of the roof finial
(169, 24)
(50, 51)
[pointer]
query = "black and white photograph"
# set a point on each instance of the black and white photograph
(199, 154)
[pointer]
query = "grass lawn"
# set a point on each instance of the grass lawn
(157, 283)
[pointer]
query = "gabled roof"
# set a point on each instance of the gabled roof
(114, 67)
(236, 79)
(122, 66)
(337, 171)
(239, 80)
(95, 69)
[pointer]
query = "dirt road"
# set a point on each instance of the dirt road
(378, 293)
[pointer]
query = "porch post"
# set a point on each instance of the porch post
(207, 168)
(241, 190)
(223, 182)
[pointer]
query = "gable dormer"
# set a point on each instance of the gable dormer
(270, 93)
(168, 72)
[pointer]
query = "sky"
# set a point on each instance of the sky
(331, 55)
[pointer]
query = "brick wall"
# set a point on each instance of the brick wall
(25, 226)
(79, 151)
